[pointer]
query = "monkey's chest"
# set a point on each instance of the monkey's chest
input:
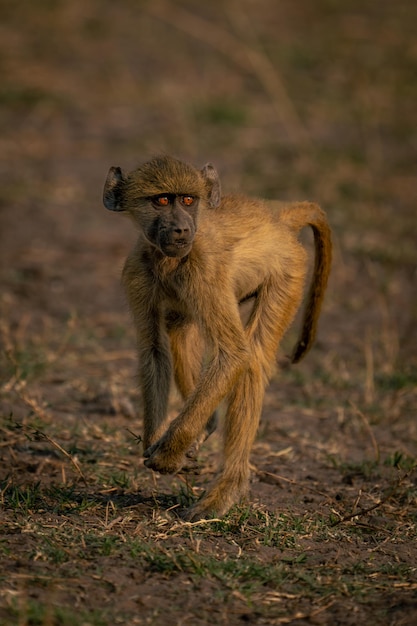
(172, 297)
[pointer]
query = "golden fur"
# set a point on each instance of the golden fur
(186, 310)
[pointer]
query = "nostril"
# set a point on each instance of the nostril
(181, 231)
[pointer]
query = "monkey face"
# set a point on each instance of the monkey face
(173, 223)
(162, 197)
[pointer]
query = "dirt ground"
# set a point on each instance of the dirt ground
(290, 100)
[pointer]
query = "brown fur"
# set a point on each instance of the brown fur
(185, 302)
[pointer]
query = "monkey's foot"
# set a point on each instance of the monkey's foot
(217, 501)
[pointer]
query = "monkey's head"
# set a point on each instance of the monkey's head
(163, 197)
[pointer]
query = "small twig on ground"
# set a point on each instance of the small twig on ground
(137, 438)
(277, 480)
(299, 615)
(39, 435)
(365, 511)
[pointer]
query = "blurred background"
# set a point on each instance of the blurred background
(290, 100)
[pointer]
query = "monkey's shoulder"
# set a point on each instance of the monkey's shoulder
(242, 206)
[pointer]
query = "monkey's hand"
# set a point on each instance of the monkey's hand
(162, 457)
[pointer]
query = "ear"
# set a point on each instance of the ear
(113, 189)
(214, 191)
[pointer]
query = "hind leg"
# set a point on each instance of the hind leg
(272, 313)
(241, 424)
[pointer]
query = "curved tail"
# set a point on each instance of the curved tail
(297, 216)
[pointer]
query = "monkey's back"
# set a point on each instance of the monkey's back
(259, 242)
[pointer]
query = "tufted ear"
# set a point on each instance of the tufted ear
(214, 191)
(113, 189)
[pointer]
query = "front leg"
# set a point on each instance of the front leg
(217, 378)
(166, 454)
(155, 373)
(154, 354)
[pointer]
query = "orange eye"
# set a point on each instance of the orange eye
(187, 200)
(163, 200)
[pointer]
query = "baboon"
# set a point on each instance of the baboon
(198, 256)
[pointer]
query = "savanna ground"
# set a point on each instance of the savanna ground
(290, 100)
